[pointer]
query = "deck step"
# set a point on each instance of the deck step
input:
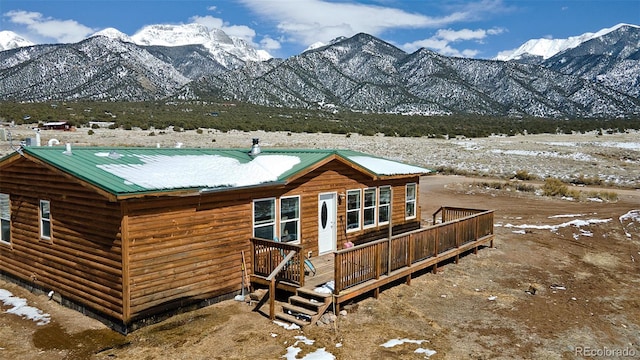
(298, 309)
(309, 303)
(314, 294)
(292, 319)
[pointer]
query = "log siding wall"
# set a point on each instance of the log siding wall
(82, 260)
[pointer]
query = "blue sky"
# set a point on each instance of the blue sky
(477, 29)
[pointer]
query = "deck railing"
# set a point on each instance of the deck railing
(449, 213)
(369, 261)
(268, 254)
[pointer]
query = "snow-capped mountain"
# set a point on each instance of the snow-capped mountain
(98, 68)
(546, 48)
(216, 41)
(113, 33)
(597, 78)
(10, 40)
(612, 59)
(320, 44)
(367, 74)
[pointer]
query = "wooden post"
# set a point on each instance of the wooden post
(272, 299)
(477, 231)
(378, 259)
(390, 229)
(436, 240)
(456, 235)
(301, 259)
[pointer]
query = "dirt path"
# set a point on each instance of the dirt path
(550, 289)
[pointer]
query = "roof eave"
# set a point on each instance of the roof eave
(195, 191)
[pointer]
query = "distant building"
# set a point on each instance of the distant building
(101, 124)
(57, 125)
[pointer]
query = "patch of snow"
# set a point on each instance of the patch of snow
(294, 350)
(326, 288)
(565, 216)
(578, 156)
(632, 216)
(396, 342)
(304, 340)
(519, 232)
(287, 326)
(19, 307)
(427, 352)
(554, 228)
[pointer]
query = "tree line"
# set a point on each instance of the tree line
(226, 116)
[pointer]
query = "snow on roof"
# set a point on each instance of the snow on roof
(387, 167)
(205, 171)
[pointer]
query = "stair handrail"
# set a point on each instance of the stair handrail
(281, 266)
(272, 283)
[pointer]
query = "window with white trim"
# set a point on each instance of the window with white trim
(369, 208)
(290, 219)
(45, 219)
(410, 201)
(264, 218)
(5, 218)
(384, 205)
(354, 209)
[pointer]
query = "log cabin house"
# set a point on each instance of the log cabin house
(125, 234)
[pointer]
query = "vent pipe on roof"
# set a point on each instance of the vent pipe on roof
(68, 150)
(255, 147)
(37, 136)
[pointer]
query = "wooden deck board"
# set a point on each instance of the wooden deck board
(324, 271)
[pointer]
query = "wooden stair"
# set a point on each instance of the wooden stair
(306, 307)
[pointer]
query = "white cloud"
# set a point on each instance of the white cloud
(441, 41)
(241, 31)
(309, 21)
(65, 31)
(268, 43)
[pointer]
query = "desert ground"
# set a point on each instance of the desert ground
(562, 281)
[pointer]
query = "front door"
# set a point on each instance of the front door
(326, 223)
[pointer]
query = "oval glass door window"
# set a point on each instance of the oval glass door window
(324, 215)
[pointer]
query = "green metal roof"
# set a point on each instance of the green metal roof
(132, 170)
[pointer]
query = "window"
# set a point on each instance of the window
(369, 209)
(5, 218)
(384, 205)
(410, 201)
(353, 209)
(289, 219)
(45, 219)
(264, 218)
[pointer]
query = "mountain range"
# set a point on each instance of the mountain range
(592, 75)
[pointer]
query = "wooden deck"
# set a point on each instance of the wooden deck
(368, 267)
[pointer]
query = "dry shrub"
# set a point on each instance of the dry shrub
(555, 187)
(585, 180)
(524, 175)
(604, 195)
(525, 187)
